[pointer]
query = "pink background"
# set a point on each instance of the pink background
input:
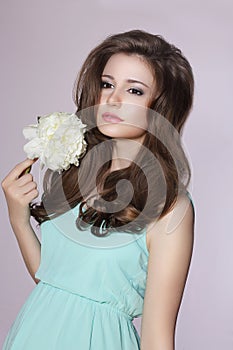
(43, 44)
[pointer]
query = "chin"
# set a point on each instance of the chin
(120, 130)
(112, 130)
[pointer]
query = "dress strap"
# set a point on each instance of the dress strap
(191, 200)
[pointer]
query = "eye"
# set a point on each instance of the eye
(135, 91)
(106, 85)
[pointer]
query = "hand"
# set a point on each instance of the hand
(20, 189)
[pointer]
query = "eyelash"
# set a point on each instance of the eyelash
(108, 85)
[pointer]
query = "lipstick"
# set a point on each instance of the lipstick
(111, 118)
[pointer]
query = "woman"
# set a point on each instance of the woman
(134, 93)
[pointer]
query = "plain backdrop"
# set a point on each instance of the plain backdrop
(43, 44)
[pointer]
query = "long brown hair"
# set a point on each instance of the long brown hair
(157, 184)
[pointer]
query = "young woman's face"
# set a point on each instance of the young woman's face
(126, 89)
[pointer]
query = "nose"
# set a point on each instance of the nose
(114, 98)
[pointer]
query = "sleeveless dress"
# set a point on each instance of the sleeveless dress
(90, 290)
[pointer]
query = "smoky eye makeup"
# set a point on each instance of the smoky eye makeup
(104, 84)
(136, 91)
(133, 90)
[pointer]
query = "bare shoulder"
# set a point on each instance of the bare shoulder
(170, 251)
(182, 216)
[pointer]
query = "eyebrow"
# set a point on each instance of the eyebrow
(128, 80)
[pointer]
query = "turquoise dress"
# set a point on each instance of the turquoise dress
(90, 290)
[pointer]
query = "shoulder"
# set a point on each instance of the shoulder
(170, 251)
(180, 219)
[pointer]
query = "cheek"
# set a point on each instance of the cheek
(99, 109)
(138, 116)
(103, 96)
(142, 122)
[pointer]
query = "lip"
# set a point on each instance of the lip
(112, 118)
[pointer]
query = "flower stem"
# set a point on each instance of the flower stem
(26, 171)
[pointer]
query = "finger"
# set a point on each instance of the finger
(19, 168)
(28, 187)
(26, 171)
(28, 197)
(21, 194)
(24, 179)
(31, 195)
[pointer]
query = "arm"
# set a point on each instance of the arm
(30, 247)
(168, 265)
(19, 192)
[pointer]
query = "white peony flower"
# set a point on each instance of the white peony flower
(57, 140)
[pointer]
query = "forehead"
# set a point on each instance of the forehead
(125, 66)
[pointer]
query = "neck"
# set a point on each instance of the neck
(124, 152)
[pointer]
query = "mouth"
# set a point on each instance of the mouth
(111, 118)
